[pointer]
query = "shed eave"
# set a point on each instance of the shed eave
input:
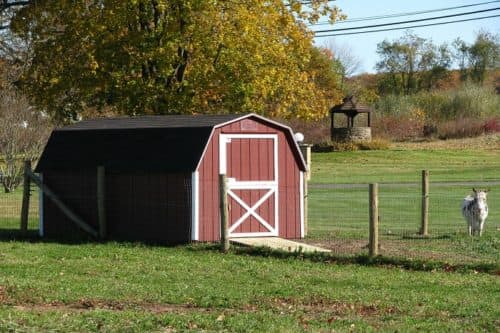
(288, 132)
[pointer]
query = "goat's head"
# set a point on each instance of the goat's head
(480, 194)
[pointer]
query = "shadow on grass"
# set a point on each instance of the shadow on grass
(32, 236)
(428, 237)
(365, 260)
(17, 235)
(322, 257)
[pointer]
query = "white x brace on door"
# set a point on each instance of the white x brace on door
(250, 162)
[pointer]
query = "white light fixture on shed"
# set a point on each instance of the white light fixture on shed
(298, 137)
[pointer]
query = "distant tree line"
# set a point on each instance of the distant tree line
(412, 64)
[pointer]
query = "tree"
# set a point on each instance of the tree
(412, 63)
(349, 63)
(23, 133)
(484, 54)
(433, 65)
(170, 57)
(460, 54)
(323, 70)
(12, 48)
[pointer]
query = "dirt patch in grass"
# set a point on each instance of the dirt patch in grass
(426, 249)
(317, 305)
(89, 305)
(309, 308)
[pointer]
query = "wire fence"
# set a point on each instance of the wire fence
(339, 220)
(10, 210)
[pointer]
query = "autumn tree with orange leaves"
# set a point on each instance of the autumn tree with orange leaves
(176, 56)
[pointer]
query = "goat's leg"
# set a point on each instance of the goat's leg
(481, 225)
(469, 225)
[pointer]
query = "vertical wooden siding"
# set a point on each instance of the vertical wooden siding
(288, 182)
(151, 207)
(140, 206)
(78, 190)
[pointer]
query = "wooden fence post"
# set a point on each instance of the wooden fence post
(224, 233)
(373, 234)
(306, 154)
(425, 203)
(26, 197)
(101, 205)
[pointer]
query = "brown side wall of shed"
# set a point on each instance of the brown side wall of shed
(288, 182)
(140, 206)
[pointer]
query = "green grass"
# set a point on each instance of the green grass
(121, 287)
(135, 288)
(10, 209)
(398, 165)
(338, 217)
(399, 208)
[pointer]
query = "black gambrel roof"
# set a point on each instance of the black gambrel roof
(171, 121)
(166, 143)
(146, 143)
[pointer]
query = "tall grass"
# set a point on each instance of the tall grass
(468, 101)
(463, 112)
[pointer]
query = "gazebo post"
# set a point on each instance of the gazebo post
(332, 126)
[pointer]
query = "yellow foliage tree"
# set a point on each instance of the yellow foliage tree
(176, 56)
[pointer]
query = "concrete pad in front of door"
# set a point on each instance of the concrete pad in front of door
(278, 244)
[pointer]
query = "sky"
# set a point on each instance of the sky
(364, 46)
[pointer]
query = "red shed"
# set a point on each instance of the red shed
(161, 177)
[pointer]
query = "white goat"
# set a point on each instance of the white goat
(475, 211)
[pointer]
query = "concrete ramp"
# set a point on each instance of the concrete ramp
(277, 244)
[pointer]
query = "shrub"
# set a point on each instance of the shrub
(492, 125)
(460, 128)
(469, 101)
(375, 144)
(315, 132)
(397, 128)
(329, 146)
(457, 113)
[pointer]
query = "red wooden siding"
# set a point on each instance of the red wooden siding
(259, 156)
(77, 189)
(152, 207)
(289, 193)
(251, 159)
(140, 206)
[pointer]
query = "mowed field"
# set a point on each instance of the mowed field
(123, 287)
(338, 199)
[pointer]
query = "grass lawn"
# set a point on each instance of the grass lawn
(338, 216)
(122, 287)
(404, 163)
(135, 288)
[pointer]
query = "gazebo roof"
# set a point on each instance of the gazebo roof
(350, 105)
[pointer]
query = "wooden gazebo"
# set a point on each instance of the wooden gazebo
(350, 108)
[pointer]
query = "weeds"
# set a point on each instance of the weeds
(331, 146)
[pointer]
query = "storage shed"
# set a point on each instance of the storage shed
(161, 176)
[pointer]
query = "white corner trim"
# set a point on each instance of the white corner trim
(40, 209)
(195, 203)
(223, 141)
(301, 190)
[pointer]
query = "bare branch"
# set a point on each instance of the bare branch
(5, 4)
